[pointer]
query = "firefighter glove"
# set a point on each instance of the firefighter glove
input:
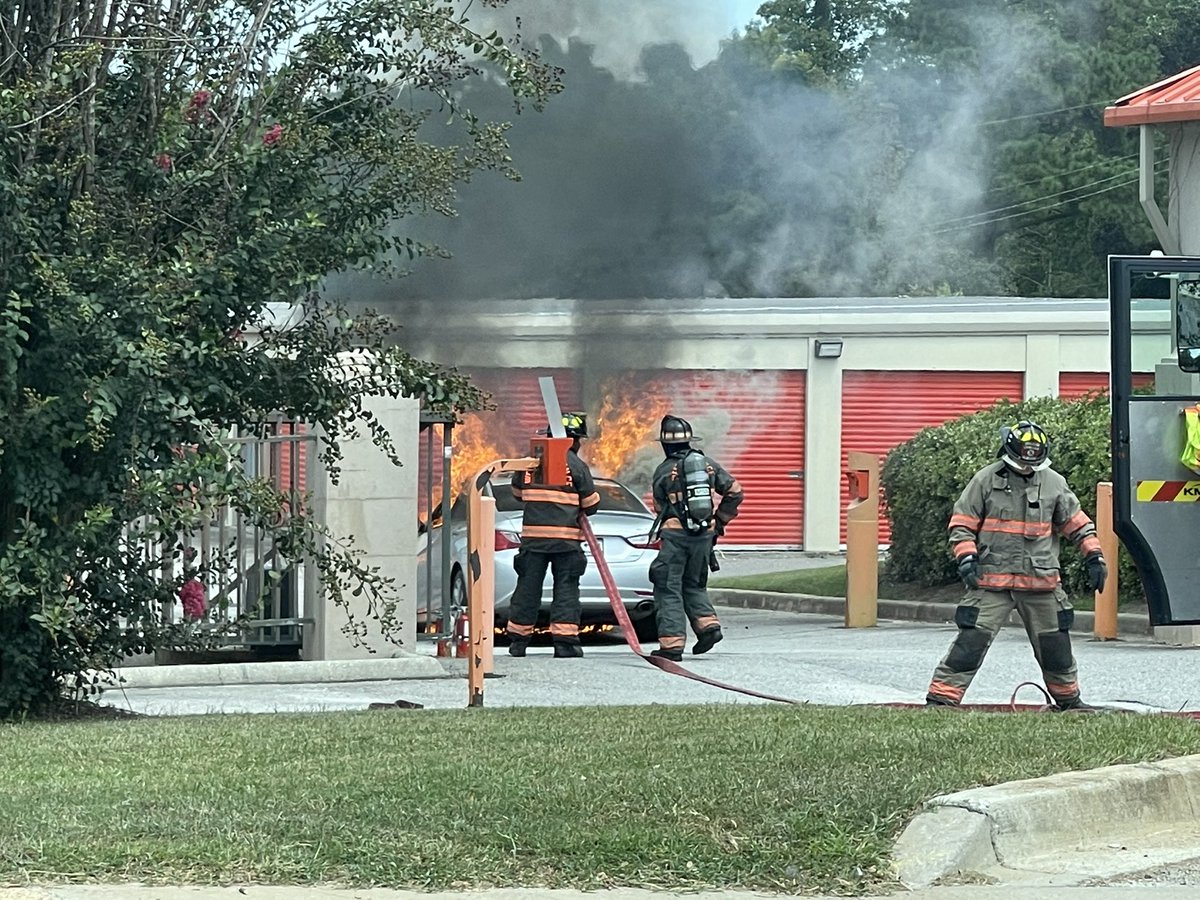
(968, 570)
(718, 526)
(1097, 571)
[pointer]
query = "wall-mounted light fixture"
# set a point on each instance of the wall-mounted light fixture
(828, 348)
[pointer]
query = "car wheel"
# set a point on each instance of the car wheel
(646, 629)
(458, 590)
(458, 598)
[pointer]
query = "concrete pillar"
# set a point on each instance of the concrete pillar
(1041, 365)
(374, 503)
(823, 475)
(1184, 202)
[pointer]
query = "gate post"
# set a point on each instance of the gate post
(862, 542)
(1104, 626)
(481, 571)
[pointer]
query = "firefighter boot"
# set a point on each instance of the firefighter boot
(933, 701)
(1074, 704)
(517, 646)
(673, 655)
(706, 639)
(567, 650)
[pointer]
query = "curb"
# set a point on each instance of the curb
(203, 675)
(901, 610)
(1061, 824)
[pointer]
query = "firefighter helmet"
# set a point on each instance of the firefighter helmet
(1025, 446)
(675, 430)
(574, 425)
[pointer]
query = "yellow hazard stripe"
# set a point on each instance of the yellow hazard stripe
(1168, 491)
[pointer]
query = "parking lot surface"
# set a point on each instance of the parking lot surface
(808, 658)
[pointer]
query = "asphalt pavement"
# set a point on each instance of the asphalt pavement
(807, 658)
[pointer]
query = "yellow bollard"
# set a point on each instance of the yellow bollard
(481, 571)
(862, 542)
(1104, 626)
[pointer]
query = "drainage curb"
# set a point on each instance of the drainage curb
(902, 610)
(300, 672)
(1051, 824)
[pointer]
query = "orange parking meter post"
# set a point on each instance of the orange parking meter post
(1104, 627)
(481, 571)
(862, 542)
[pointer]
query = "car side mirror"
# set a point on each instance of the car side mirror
(1187, 323)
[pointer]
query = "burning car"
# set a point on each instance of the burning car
(622, 525)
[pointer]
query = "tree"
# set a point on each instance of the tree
(174, 174)
(1032, 78)
(825, 42)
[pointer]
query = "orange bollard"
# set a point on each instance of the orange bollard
(1104, 625)
(481, 554)
(862, 542)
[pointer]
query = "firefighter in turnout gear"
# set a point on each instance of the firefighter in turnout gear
(690, 523)
(550, 539)
(1004, 534)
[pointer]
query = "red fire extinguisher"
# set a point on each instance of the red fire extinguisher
(462, 635)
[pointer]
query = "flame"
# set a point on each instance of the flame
(626, 422)
(474, 448)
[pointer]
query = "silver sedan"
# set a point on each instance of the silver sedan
(622, 524)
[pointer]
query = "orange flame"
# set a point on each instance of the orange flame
(474, 448)
(626, 423)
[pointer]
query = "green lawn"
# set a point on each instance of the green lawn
(766, 797)
(830, 581)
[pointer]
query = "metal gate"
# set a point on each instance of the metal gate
(255, 596)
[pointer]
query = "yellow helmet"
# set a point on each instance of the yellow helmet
(1025, 446)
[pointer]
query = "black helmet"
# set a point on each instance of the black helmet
(1025, 446)
(675, 430)
(574, 423)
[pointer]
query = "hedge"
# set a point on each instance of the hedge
(923, 477)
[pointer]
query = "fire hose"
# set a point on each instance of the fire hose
(618, 608)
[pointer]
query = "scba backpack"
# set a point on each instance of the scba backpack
(695, 494)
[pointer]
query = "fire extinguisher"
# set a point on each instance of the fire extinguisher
(462, 635)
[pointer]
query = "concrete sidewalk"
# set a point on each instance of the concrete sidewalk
(260, 892)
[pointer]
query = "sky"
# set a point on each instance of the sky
(618, 29)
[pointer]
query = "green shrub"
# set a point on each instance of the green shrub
(923, 477)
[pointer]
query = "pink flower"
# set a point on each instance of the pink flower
(197, 107)
(164, 162)
(192, 596)
(273, 136)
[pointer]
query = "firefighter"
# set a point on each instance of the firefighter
(1004, 534)
(689, 525)
(551, 538)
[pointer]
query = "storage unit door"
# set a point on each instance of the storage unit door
(1072, 385)
(883, 409)
(751, 422)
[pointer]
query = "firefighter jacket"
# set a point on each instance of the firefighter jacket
(667, 485)
(550, 523)
(1013, 524)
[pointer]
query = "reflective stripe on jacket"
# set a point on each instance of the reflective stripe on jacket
(551, 513)
(1013, 524)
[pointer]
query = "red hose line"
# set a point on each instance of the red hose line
(666, 665)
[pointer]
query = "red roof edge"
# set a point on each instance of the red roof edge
(1142, 108)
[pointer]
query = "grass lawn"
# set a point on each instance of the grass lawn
(830, 581)
(767, 797)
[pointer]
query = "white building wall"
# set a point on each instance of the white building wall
(1040, 338)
